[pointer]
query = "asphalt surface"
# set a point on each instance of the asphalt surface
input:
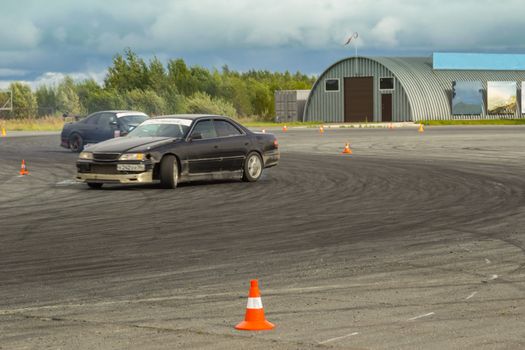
(416, 241)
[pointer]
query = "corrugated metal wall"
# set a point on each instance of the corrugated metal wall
(289, 104)
(329, 106)
(421, 93)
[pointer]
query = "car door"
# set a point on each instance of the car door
(88, 128)
(233, 144)
(203, 149)
(106, 126)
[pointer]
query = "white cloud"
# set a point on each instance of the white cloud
(386, 31)
(54, 78)
(83, 36)
(214, 24)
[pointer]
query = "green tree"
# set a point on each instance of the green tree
(175, 102)
(24, 101)
(46, 100)
(157, 77)
(180, 76)
(201, 102)
(176, 88)
(66, 97)
(262, 101)
(128, 72)
(85, 90)
(104, 99)
(146, 101)
(235, 90)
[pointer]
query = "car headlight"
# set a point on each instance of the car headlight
(86, 155)
(132, 156)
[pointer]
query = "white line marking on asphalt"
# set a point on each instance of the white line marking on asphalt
(284, 291)
(471, 295)
(493, 277)
(421, 316)
(338, 338)
(68, 182)
(487, 261)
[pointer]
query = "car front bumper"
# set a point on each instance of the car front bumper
(145, 177)
(107, 172)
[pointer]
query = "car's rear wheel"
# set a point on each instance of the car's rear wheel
(76, 143)
(95, 185)
(169, 172)
(253, 167)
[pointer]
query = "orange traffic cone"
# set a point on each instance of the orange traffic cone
(421, 129)
(347, 149)
(285, 129)
(3, 132)
(321, 129)
(391, 126)
(23, 168)
(254, 319)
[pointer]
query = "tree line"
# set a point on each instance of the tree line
(155, 88)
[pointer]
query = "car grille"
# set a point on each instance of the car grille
(106, 156)
(104, 169)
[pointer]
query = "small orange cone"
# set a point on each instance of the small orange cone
(3, 132)
(285, 129)
(421, 129)
(23, 168)
(254, 319)
(391, 126)
(347, 149)
(321, 129)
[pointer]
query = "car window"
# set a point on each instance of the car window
(163, 127)
(92, 120)
(225, 128)
(206, 129)
(129, 122)
(105, 119)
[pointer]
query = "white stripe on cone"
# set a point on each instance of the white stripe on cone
(254, 303)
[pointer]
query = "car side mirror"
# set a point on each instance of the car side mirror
(196, 136)
(113, 123)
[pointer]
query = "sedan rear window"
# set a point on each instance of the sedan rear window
(225, 129)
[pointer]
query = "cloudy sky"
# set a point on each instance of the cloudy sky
(42, 40)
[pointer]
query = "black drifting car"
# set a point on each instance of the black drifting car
(178, 148)
(99, 126)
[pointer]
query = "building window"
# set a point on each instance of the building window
(386, 83)
(331, 85)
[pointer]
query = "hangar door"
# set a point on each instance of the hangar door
(359, 99)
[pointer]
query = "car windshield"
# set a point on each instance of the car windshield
(169, 127)
(129, 122)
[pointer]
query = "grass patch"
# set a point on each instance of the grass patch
(474, 122)
(33, 124)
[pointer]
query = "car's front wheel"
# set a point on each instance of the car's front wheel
(76, 143)
(169, 172)
(253, 167)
